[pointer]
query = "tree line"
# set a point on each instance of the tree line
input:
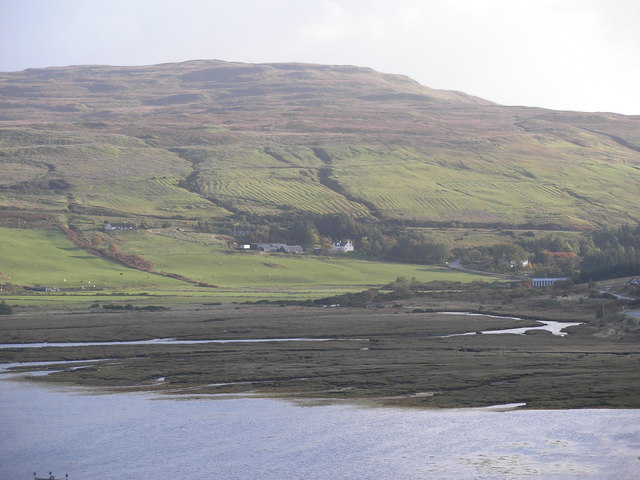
(598, 255)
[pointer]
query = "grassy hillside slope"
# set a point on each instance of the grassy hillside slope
(48, 258)
(204, 258)
(209, 139)
(31, 258)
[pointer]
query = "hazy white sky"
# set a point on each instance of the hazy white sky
(562, 54)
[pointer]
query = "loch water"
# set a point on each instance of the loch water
(118, 436)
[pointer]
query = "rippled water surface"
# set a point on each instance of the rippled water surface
(142, 436)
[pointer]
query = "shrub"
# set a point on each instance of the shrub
(5, 309)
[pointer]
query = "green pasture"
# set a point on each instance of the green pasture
(250, 157)
(153, 197)
(182, 296)
(48, 258)
(476, 186)
(205, 258)
(41, 202)
(99, 160)
(259, 191)
(571, 182)
(266, 180)
(576, 179)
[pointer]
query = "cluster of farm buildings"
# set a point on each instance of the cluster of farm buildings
(336, 247)
(345, 246)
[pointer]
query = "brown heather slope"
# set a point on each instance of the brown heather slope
(206, 139)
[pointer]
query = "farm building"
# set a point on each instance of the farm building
(342, 247)
(545, 282)
(266, 247)
(276, 247)
(291, 249)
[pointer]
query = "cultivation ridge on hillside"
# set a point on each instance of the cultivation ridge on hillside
(207, 139)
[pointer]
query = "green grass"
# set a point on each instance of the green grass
(168, 298)
(270, 191)
(536, 180)
(40, 202)
(48, 258)
(266, 180)
(151, 197)
(99, 160)
(205, 258)
(401, 182)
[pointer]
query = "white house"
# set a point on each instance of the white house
(342, 247)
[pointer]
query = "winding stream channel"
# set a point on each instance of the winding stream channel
(169, 341)
(556, 328)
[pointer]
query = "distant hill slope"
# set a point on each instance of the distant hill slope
(207, 139)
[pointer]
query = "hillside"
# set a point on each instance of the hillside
(207, 140)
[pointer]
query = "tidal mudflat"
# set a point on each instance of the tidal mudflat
(390, 356)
